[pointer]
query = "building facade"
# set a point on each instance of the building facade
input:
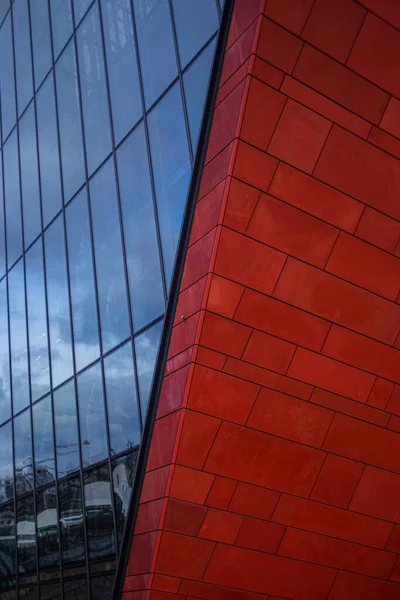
(199, 289)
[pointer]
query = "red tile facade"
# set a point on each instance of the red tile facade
(274, 466)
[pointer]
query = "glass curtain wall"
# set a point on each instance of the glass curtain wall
(101, 104)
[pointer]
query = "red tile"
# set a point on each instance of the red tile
(335, 522)
(316, 198)
(339, 301)
(262, 459)
(179, 360)
(162, 596)
(389, 10)
(263, 108)
(216, 170)
(340, 84)
(253, 166)
(378, 229)
(183, 556)
(221, 493)
(391, 119)
(278, 47)
(394, 423)
(292, 231)
(207, 212)
(198, 260)
(248, 262)
(224, 296)
(197, 435)
(349, 407)
(191, 485)
(386, 142)
(267, 73)
(163, 441)
(377, 495)
(333, 26)
(196, 589)
(395, 576)
(254, 501)
(291, 14)
(210, 358)
(155, 484)
(243, 15)
(380, 393)
(239, 52)
(393, 544)
(141, 553)
(149, 516)
(348, 586)
(337, 481)
(183, 335)
(136, 582)
(166, 584)
(173, 389)
(220, 526)
(183, 517)
(269, 352)
(338, 554)
(299, 136)
(190, 300)
(233, 80)
(290, 418)
(259, 535)
(240, 204)
(224, 335)
(221, 395)
(393, 405)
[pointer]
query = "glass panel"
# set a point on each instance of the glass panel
(92, 416)
(61, 23)
(13, 199)
(122, 66)
(84, 309)
(73, 167)
(76, 589)
(156, 47)
(122, 406)
(146, 347)
(58, 303)
(23, 452)
(48, 151)
(7, 542)
(47, 535)
(171, 167)
(6, 464)
(4, 6)
(40, 40)
(66, 426)
(22, 45)
(26, 538)
(43, 442)
(37, 325)
(5, 400)
(29, 176)
(7, 81)
(93, 86)
(195, 23)
(80, 7)
(19, 345)
(109, 262)
(124, 470)
(99, 516)
(102, 587)
(140, 230)
(71, 520)
(2, 224)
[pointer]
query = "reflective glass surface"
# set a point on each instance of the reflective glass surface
(43, 442)
(92, 416)
(29, 176)
(195, 23)
(23, 461)
(5, 397)
(23, 62)
(13, 199)
(6, 463)
(66, 429)
(41, 41)
(18, 338)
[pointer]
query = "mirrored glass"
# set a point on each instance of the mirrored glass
(22, 46)
(7, 542)
(66, 429)
(6, 464)
(37, 325)
(19, 342)
(4, 6)
(23, 461)
(92, 416)
(76, 589)
(80, 7)
(146, 347)
(108, 254)
(122, 66)
(61, 24)
(48, 151)
(28, 586)
(13, 199)
(99, 515)
(29, 176)
(7, 80)
(123, 417)
(50, 591)
(195, 23)
(2, 224)
(26, 538)
(73, 166)
(5, 400)
(46, 522)
(84, 309)
(93, 87)
(102, 587)
(71, 520)
(41, 42)
(171, 168)
(43, 442)
(123, 474)
(140, 229)
(58, 303)
(156, 47)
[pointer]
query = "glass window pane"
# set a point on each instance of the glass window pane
(6, 463)
(99, 516)
(80, 7)
(23, 452)
(47, 534)
(61, 24)
(156, 47)
(66, 426)
(122, 405)
(71, 520)
(29, 176)
(48, 151)
(195, 23)
(37, 325)
(22, 45)
(171, 167)
(123, 473)
(2, 224)
(92, 416)
(43, 442)
(13, 199)
(108, 254)
(19, 345)
(5, 400)
(84, 309)
(146, 347)
(41, 42)
(140, 230)
(93, 86)
(4, 6)
(73, 167)
(7, 81)
(26, 535)
(7, 562)
(122, 66)
(58, 303)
